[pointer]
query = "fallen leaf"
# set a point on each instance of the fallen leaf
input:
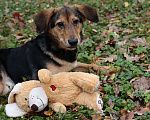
(142, 83)
(81, 116)
(48, 113)
(111, 58)
(75, 109)
(96, 117)
(123, 112)
(127, 31)
(136, 58)
(128, 116)
(100, 45)
(85, 40)
(52, 1)
(107, 118)
(141, 41)
(122, 42)
(109, 102)
(117, 89)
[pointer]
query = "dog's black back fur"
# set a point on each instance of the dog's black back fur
(25, 61)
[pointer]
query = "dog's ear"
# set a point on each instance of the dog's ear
(88, 12)
(42, 18)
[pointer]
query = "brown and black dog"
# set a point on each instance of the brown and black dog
(54, 49)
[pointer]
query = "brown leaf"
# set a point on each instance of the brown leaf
(116, 89)
(127, 31)
(107, 118)
(122, 42)
(52, 1)
(140, 111)
(123, 112)
(140, 41)
(142, 83)
(110, 103)
(136, 58)
(96, 117)
(99, 46)
(111, 58)
(128, 116)
(148, 106)
(81, 116)
(10, 24)
(48, 113)
(75, 109)
(85, 40)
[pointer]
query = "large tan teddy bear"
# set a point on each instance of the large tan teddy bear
(57, 91)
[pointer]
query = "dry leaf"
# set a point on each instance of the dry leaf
(128, 116)
(81, 116)
(142, 83)
(52, 1)
(96, 117)
(117, 89)
(123, 112)
(122, 42)
(140, 41)
(127, 31)
(85, 40)
(48, 113)
(136, 58)
(75, 109)
(99, 46)
(110, 103)
(111, 58)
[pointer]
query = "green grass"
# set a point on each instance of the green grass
(120, 21)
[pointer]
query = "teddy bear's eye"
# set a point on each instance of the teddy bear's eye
(26, 99)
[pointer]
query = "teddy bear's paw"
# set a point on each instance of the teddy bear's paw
(99, 102)
(97, 86)
(38, 99)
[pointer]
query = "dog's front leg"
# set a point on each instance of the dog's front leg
(84, 67)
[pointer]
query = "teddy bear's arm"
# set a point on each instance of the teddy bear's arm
(12, 110)
(88, 82)
(57, 106)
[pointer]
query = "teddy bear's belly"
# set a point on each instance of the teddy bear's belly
(65, 95)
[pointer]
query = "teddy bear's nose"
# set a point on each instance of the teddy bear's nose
(34, 107)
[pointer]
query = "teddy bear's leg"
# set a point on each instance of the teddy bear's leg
(90, 100)
(88, 82)
(57, 106)
(38, 99)
(12, 110)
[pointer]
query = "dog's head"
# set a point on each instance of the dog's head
(65, 23)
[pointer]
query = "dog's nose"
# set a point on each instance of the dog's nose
(73, 42)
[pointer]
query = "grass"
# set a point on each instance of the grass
(123, 30)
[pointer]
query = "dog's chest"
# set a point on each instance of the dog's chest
(65, 67)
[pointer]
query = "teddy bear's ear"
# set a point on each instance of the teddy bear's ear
(15, 90)
(44, 75)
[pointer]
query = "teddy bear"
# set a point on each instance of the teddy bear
(57, 91)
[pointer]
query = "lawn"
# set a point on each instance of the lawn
(121, 40)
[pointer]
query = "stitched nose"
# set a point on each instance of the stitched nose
(73, 42)
(34, 107)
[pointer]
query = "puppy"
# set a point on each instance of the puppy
(54, 49)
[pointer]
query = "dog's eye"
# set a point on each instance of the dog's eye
(75, 22)
(61, 25)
